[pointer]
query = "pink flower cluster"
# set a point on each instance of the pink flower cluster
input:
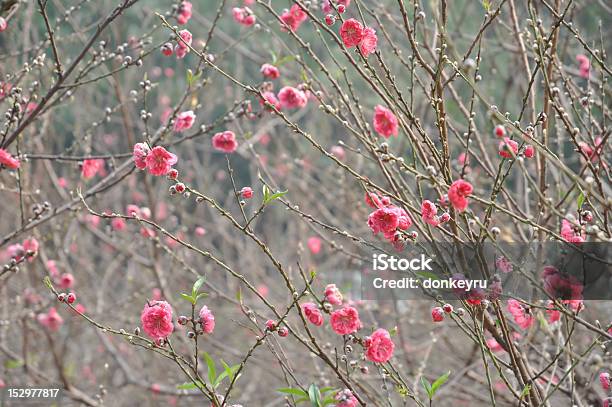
(90, 168)
(207, 320)
(244, 16)
(327, 6)
(522, 316)
(353, 33)
(429, 214)
(157, 161)
(333, 294)
(345, 320)
(294, 17)
(8, 161)
(51, 320)
(346, 398)
(184, 12)
(183, 44)
(19, 251)
(584, 65)
(225, 141)
(387, 218)
(508, 148)
(156, 320)
(314, 244)
(385, 122)
(571, 233)
(458, 194)
(270, 71)
(592, 152)
(184, 121)
(292, 98)
(312, 313)
(379, 346)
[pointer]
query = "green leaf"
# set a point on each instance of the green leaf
(326, 389)
(47, 282)
(189, 76)
(201, 295)
(427, 387)
(580, 200)
(190, 386)
(188, 298)
(487, 5)
(196, 286)
(314, 395)
(439, 382)
(292, 391)
(212, 370)
(13, 364)
(428, 275)
(284, 60)
(526, 390)
(269, 198)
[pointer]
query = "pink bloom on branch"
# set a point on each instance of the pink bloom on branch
(604, 379)
(160, 161)
(584, 65)
(207, 320)
(66, 281)
(374, 201)
(312, 313)
(346, 398)
(156, 320)
(508, 148)
(529, 151)
(118, 224)
(387, 219)
(345, 321)
(292, 98)
(333, 294)
(141, 150)
(571, 233)
(225, 141)
(243, 15)
(458, 193)
(379, 346)
(3, 24)
(184, 121)
(51, 320)
(246, 193)
(294, 17)
(429, 213)
(327, 7)
(591, 152)
(437, 314)
(270, 71)
(368, 42)
(521, 315)
(91, 167)
(8, 160)
(500, 131)
(271, 98)
(314, 244)
(184, 12)
(385, 122)
(351, 32)
(185, 39)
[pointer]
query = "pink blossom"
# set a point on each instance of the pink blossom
(429, 213)
(385, 122)
(185, 39)
(458, 193)
(225, 141)
(584, 65)
(8, 160)
(604, 379)
(91, 167)
(529, 151)
(270, 71)
(591, 152)
(156, 320)
(521, 315)
(503, 264)
(374, 201)
(184, 12)
(314, 244)
(499, 131)
(118, 224)
(31, 245)
(345, 321)
(368, 42)
(51, 320)
(3, 24)
(437, 314)
(271, 98)
(66, 281)
(379, 346)
(327, 7)
(246, 192)
(312, 313)
(141, 150)
(207, 320)
(294, 17)
(52, 268)
(351, 32)
(387, 219)
(181, 52)
(292, 98)
(159, 161)
(508, 148)
(553, 314)
(184, 121)
(561, 285)
(200, 231)
(243, 15)
(333, 294)
(571, 233)
(346, 398)
(338, 151)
